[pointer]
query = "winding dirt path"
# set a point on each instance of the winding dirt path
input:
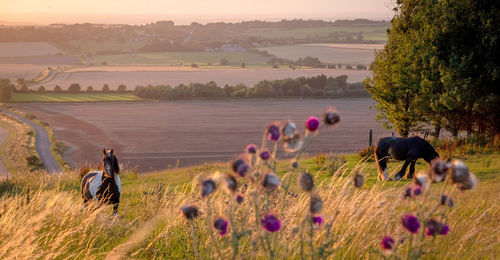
(42, 143)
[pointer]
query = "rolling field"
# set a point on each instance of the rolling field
(376, 33)
(154, 135)
(26, 71)
(352, 54)
(202, 59)
(174, 77)
(68, 97)
(24, 49)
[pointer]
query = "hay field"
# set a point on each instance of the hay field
(154, 135)
(25, 49)
(174, 77)
(202, 59)
(71, 97)
(352, 54)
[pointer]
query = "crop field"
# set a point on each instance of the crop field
(202, 59)
(24, 49)
(69, 97)
(132, 78)
(376, 33)
(352, 54)
(154, 135)
(26, 71)
(94, 47)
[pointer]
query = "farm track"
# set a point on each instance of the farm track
(42, 143)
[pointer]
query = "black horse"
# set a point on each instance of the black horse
(104, 186)
(402, 149)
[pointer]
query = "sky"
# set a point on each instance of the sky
(186, 11)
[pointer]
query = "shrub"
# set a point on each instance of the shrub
(74, 88)
(41, 89)
(367, 152)
(57, 89)
(34, 163)
(90, 89)
(122, 88)
(105, 88)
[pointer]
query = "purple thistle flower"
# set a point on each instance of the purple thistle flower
(312, 123)
(240, 167)
(295, 165)
(265, 155)
(411, 223)
(445, 200)
(444, 230)
(273, 132)
(207, 187)
(270, 223)
(416, 190)
(318, 220)
(387, 243)
(251, 148)
(190, 211)
(239, 198)
(330, 117)
(221, 225)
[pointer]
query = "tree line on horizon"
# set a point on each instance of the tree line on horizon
(440, 68)
(318, 86)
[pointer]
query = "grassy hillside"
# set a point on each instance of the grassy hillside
(43, 216)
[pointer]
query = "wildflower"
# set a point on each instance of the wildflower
(469, 184)
(434, 227)
(240, 167)
(330, 117)
(270, 223)
(221, 225)
(459, 172)
(289, 129)
(273, 132)
(271, 181)
(312, 123)
(207, 187)
(416, 190)
(316, 204)
(422, 180)
(292, 144)
(444, 230)
(251, 148)
(190, 211)
(306, 181)
(359, 180)
(438, 170)
(411, 223)
(230, 183)
(239, 198)
(445, 200)
(317, 220)
(295, 165)
(265, 155)
(387, 243)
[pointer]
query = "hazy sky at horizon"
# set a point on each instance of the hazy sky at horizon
(140, 11)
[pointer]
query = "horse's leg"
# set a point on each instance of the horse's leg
(115, 208)
(381, 161)
(412, 169)
(402, 172)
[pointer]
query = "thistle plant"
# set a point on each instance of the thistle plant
(254, 184)
(422, 225)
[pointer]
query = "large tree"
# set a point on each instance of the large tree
(440, 67)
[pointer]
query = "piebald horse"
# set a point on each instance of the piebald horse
(104, 186)
(402, 149)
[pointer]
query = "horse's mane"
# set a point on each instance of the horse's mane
(116, 166)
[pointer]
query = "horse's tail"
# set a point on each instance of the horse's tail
(83, 171)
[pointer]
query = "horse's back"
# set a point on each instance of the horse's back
(87, 180)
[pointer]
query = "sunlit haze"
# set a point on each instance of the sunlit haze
(184, 12)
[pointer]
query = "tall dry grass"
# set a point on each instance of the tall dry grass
(42, 216)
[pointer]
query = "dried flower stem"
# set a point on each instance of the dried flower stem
(195, 241)
(210, 231)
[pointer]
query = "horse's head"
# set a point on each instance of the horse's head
(109, 163)
(429, 152)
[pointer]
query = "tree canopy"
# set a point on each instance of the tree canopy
(440, 67)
